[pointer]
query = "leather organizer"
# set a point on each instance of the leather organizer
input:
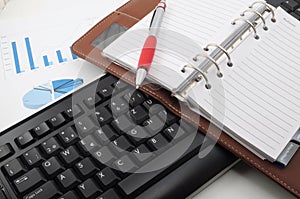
(129, 14)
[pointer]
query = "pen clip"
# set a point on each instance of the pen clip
(152, 18)
(160, 5)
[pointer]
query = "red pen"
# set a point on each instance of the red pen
(149, 47)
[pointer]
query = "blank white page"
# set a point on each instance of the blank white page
(260, 94)
(187, 27)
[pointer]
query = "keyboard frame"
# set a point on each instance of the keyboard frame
(9, 135)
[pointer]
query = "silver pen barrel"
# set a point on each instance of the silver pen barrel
(157, 18)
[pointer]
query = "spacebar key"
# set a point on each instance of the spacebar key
(142, 178)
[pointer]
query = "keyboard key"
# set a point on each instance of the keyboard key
(69, 195)
(120, 85)
(6, 151)
(122, 124)
(122, 144)
(297, 11)
(154, 125)
(41, 130)
(24, 140)
(103, 116)
(84, 125)
(14, 168)
(105, 93)
(57, 120)
(70, 156)
(118, 106)
(108, 80)
(105, 134)
(125, 164)
(86, 168)
(174, 132)
(138, 135)
(52, 167)
(110, 194)
(152, 106)
(29, 181)
(74, 111)
(104, 156)
(107, 177)
(33, 157)
(290, 5)
(46, 191)
(135, 98)
(167, 116)
(142, 154)
(88, 145)
(138, 114)
(109, 132)
(67, 180)
(91, 101)
(51, 147)
(68, 137)
(157, 142)
(89, 189)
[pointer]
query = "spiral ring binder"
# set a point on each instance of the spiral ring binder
(229, 62)
(273, 19)
(207, 84)
(181, 92)
(250, 23)
(260, 15)
(219, 74)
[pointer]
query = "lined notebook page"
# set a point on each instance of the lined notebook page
(260, 95)
(187, 27)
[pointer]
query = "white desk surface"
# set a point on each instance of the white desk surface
(241, 181)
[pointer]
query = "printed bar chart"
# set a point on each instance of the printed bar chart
(46, 61)
(22, 55)
(60, 57)
(16, 58)
(29, 52)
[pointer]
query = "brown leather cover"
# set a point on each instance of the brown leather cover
(288, 177)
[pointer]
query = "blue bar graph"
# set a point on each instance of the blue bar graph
(29, 51)
(23, 56)
(60, 58)
(16, 58)
(46, 61)
(73, 55)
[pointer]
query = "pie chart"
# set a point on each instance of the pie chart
(45, 93)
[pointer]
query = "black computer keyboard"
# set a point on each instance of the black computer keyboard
(106, 141)
(291, 6)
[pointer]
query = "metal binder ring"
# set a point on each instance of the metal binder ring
(229, 63)
(268, 6)
(210, 59)
(260, 16)
(207, 84)
(251, 24)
